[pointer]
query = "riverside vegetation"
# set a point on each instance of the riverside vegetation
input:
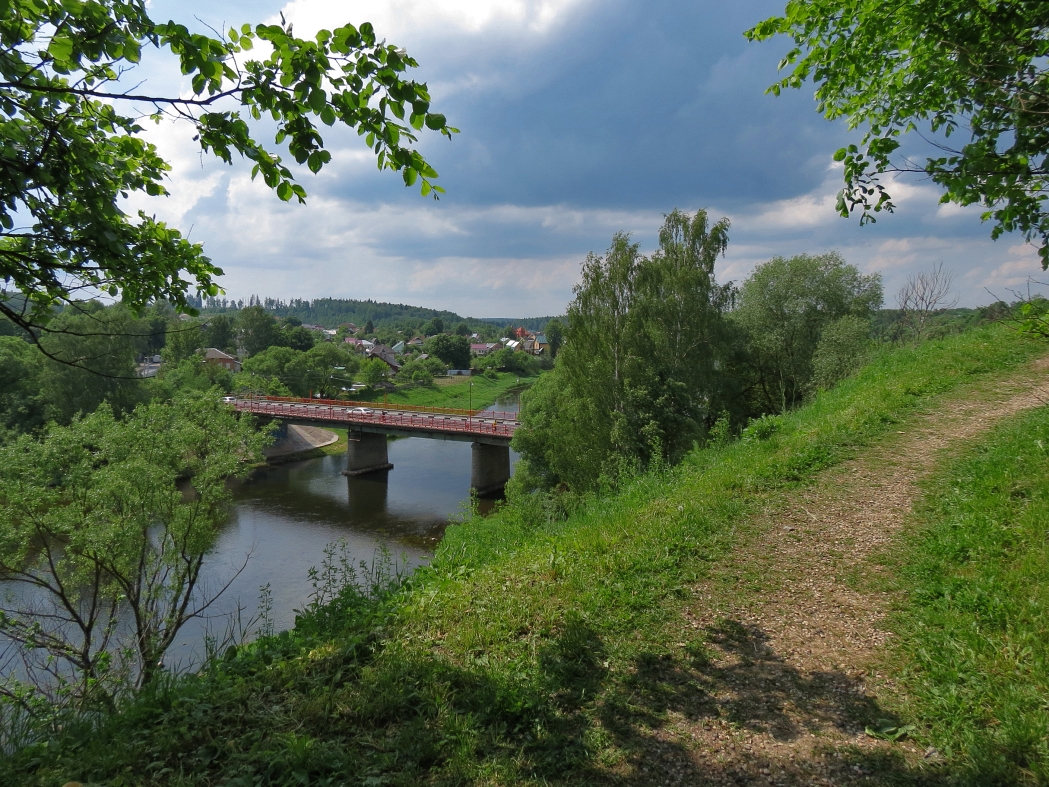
(548, 647)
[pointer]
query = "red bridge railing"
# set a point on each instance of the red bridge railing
(490, 425)
(410, 408)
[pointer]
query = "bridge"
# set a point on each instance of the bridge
(369, 424)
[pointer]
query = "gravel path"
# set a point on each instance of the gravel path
(790, 679)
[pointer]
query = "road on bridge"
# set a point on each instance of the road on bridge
(491, 425)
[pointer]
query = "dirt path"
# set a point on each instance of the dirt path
(791, 664)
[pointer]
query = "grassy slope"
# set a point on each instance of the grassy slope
(452, 392)
(974, 630)
(534, 650)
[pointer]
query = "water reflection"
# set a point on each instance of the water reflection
(284, 516)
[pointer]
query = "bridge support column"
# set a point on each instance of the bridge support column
(490, 468)
(366, 453)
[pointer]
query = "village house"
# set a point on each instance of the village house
(384, 354)
(218, 358)
(354, 342)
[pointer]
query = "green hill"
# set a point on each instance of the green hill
(564, 642)
(332, 312)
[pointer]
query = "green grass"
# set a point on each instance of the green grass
(536, 649)
(974, 631)
(454, 392)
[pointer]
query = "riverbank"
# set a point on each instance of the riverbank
(298, 439)
(624, 643)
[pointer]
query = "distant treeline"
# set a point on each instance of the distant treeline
(531, 323)
(333, 312)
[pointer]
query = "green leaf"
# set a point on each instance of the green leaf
(318, 100)
(284, 190)
(61, 49)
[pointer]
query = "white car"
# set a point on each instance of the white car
(361, 411)
(229, 399)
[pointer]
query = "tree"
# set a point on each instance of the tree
(329, 368)
(783, 309)
(107, 547)
(184, 338)
(191, 375)
(462, 329)
(297, 337)
(21, 395)
(923, 294)
(369, 329)
(258, 330)
(638, 377)
(74, 149)
(555, 331)
(947, 67)
(220, 333)
(511, 361)
(92, 360)
(434, 327)
(373, 371)
(422, 371)
(453, 350)
(282, 363)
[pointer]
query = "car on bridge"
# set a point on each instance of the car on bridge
(229, 399)
(361, 411)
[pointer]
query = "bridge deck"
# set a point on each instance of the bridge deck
(495, 428)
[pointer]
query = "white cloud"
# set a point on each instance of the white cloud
(412, 19)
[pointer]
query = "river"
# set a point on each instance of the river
(284, 516)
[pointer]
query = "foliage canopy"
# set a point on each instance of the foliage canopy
(955, 68)
(72, 147)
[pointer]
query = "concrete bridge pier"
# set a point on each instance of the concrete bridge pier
(490, 468)
(366, 453)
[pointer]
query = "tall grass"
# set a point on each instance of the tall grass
(539, 646)
(974, 631)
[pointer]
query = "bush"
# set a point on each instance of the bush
(842, 349)
(510, 361)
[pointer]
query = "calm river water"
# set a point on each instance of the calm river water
(284, 516)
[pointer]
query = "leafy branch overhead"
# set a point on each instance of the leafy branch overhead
(945, 69)
(72, 147)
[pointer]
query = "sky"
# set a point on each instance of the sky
(578, 119)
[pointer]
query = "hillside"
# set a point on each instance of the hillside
(332, 312)
(720, 622)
